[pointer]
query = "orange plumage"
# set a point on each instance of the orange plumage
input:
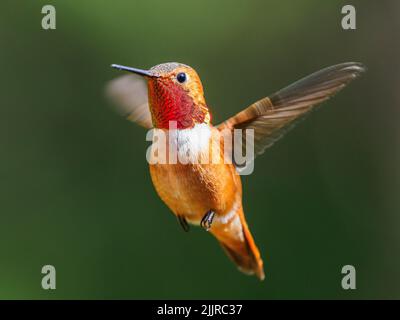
(210, 193)
(190, 190)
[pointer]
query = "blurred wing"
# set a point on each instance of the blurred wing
(129, 94)
(273, 116)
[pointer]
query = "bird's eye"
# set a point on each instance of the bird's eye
(181, 77)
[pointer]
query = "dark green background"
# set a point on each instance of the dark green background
(75, 191)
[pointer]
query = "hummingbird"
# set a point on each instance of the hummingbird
(210, 195)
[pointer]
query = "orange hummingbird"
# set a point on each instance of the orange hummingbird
(206, 194)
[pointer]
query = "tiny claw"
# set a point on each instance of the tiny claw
(184, 224)
(207, 220)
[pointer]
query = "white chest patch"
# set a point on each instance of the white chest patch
(191, 144)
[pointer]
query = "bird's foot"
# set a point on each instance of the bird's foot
(184, 224)
(207, 220)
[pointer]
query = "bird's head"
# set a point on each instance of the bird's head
(175, 93)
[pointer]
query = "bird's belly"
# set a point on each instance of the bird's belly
(190, 190)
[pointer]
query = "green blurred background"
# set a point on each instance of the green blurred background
(75, 191)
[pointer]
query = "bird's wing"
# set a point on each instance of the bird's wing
(271, 117)
(129, 95)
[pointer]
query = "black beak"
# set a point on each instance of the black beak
(133, 70)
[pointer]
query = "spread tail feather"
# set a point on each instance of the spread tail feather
(238, 243)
